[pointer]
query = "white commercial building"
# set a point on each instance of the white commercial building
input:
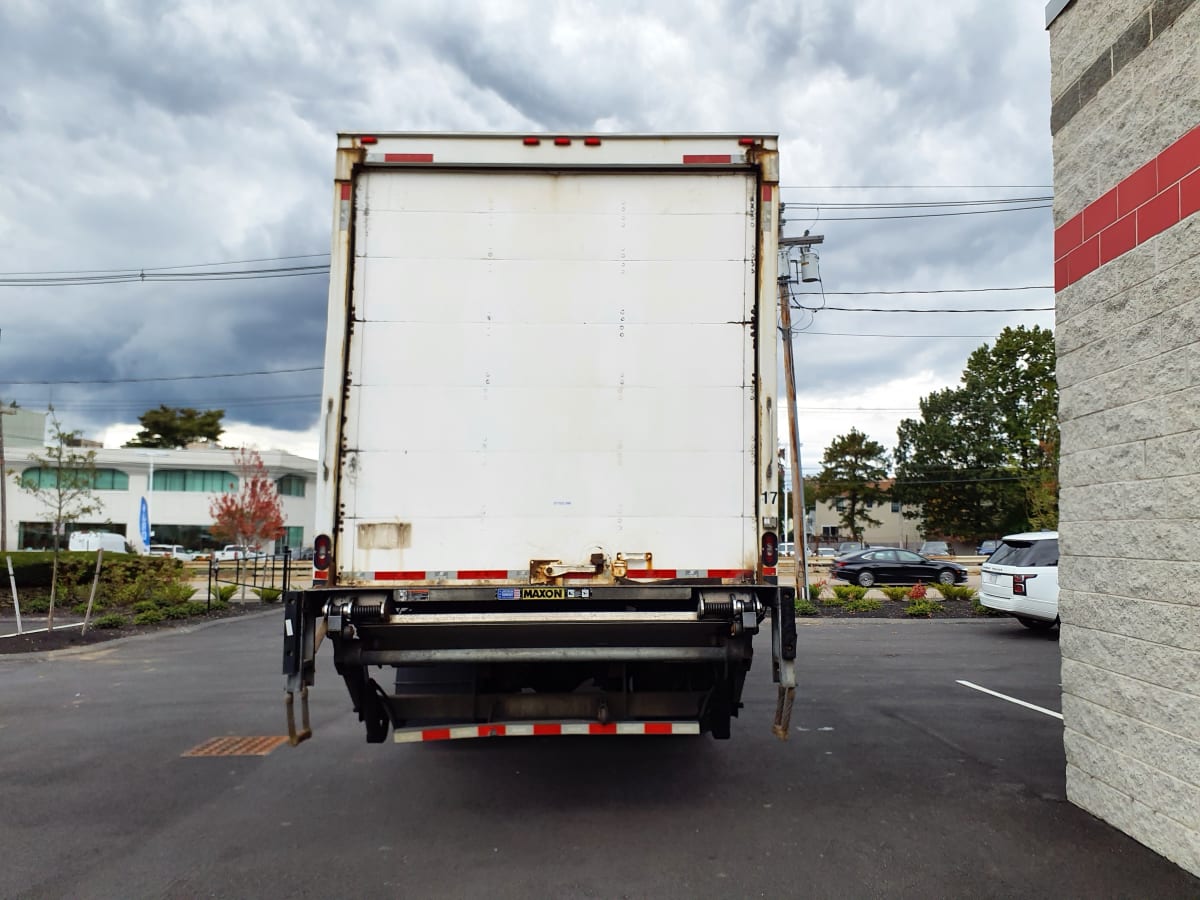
(1126, 124)
(177, 485)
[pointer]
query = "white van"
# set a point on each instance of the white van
(91, 541)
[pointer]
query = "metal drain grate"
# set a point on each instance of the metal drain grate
(238, 746)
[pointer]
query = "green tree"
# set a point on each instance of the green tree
(176, 427)
(854, 468)
(64, 486)
(982, 458)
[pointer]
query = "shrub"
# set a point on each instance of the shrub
(805, 608)
(174, 594)
(223, 592)
(268, 594)
(863, 604)
(218, 604)
(80, 608)
(36, 605)
(980, 610)
(814, 590)
(924, 608)
(110, 620)
(917, 592)
(195, 607)
(175, 612)
(149, 617)
(144, 606)
(956, 591)
(835, 600)
(845, 592)
(895, 593)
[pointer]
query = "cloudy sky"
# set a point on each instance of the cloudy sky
(163, 138)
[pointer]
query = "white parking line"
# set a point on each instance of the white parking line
(1040, 709)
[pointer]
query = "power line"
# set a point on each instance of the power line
(227, 262)
(917, 204)
(897, 310)
(913, 187)
(172, 377)
(148, 276)
(987, 290)
(969, 212)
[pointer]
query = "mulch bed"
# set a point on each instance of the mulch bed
(893, 609)
(63, 638)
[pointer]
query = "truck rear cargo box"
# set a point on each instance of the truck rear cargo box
(549, 380)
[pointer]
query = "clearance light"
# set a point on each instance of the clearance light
(322, 552)
(770, 548)
(746, 142)
(591, 142)
(562, 142)
(368, 139)
(531, 141)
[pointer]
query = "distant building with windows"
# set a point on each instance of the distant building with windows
(178, 485)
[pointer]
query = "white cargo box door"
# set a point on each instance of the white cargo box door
(547, 365)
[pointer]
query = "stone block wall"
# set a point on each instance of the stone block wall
(1126, 126)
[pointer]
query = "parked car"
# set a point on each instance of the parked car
(886, 565)
(936, 548)
(1021, 579)
(827, 552)
(850, 547)
(91, 541)
(172, 551)
(787, 548)
(987, 548)
(231, 552)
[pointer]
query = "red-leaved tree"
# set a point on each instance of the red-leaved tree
(254, 513)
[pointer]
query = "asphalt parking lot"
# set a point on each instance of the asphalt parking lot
(898, 781)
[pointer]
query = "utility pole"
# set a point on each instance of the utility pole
(789, 371)
(4, 411)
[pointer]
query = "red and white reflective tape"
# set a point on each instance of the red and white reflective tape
(392, 158)
(541, 729)
(502, 575)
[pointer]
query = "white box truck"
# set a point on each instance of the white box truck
(546, 494)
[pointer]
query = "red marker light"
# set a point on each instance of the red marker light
(746, 142)
(368, 139)
(591, 142)
(770, 548)
(531, 141)
(322, 552)
(562, 142)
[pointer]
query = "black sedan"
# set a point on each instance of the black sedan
(886, 565)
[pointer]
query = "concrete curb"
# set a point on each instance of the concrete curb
(47, 655)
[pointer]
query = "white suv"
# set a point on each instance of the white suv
(1021, 579)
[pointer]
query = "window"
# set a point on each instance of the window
(103, 480)
(895, 506)
(111, 480)
(829, 531)
(204, 481)
(293, 536)
(840, 504)
(290, 486)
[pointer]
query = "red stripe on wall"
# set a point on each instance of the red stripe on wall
(1145, 203)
